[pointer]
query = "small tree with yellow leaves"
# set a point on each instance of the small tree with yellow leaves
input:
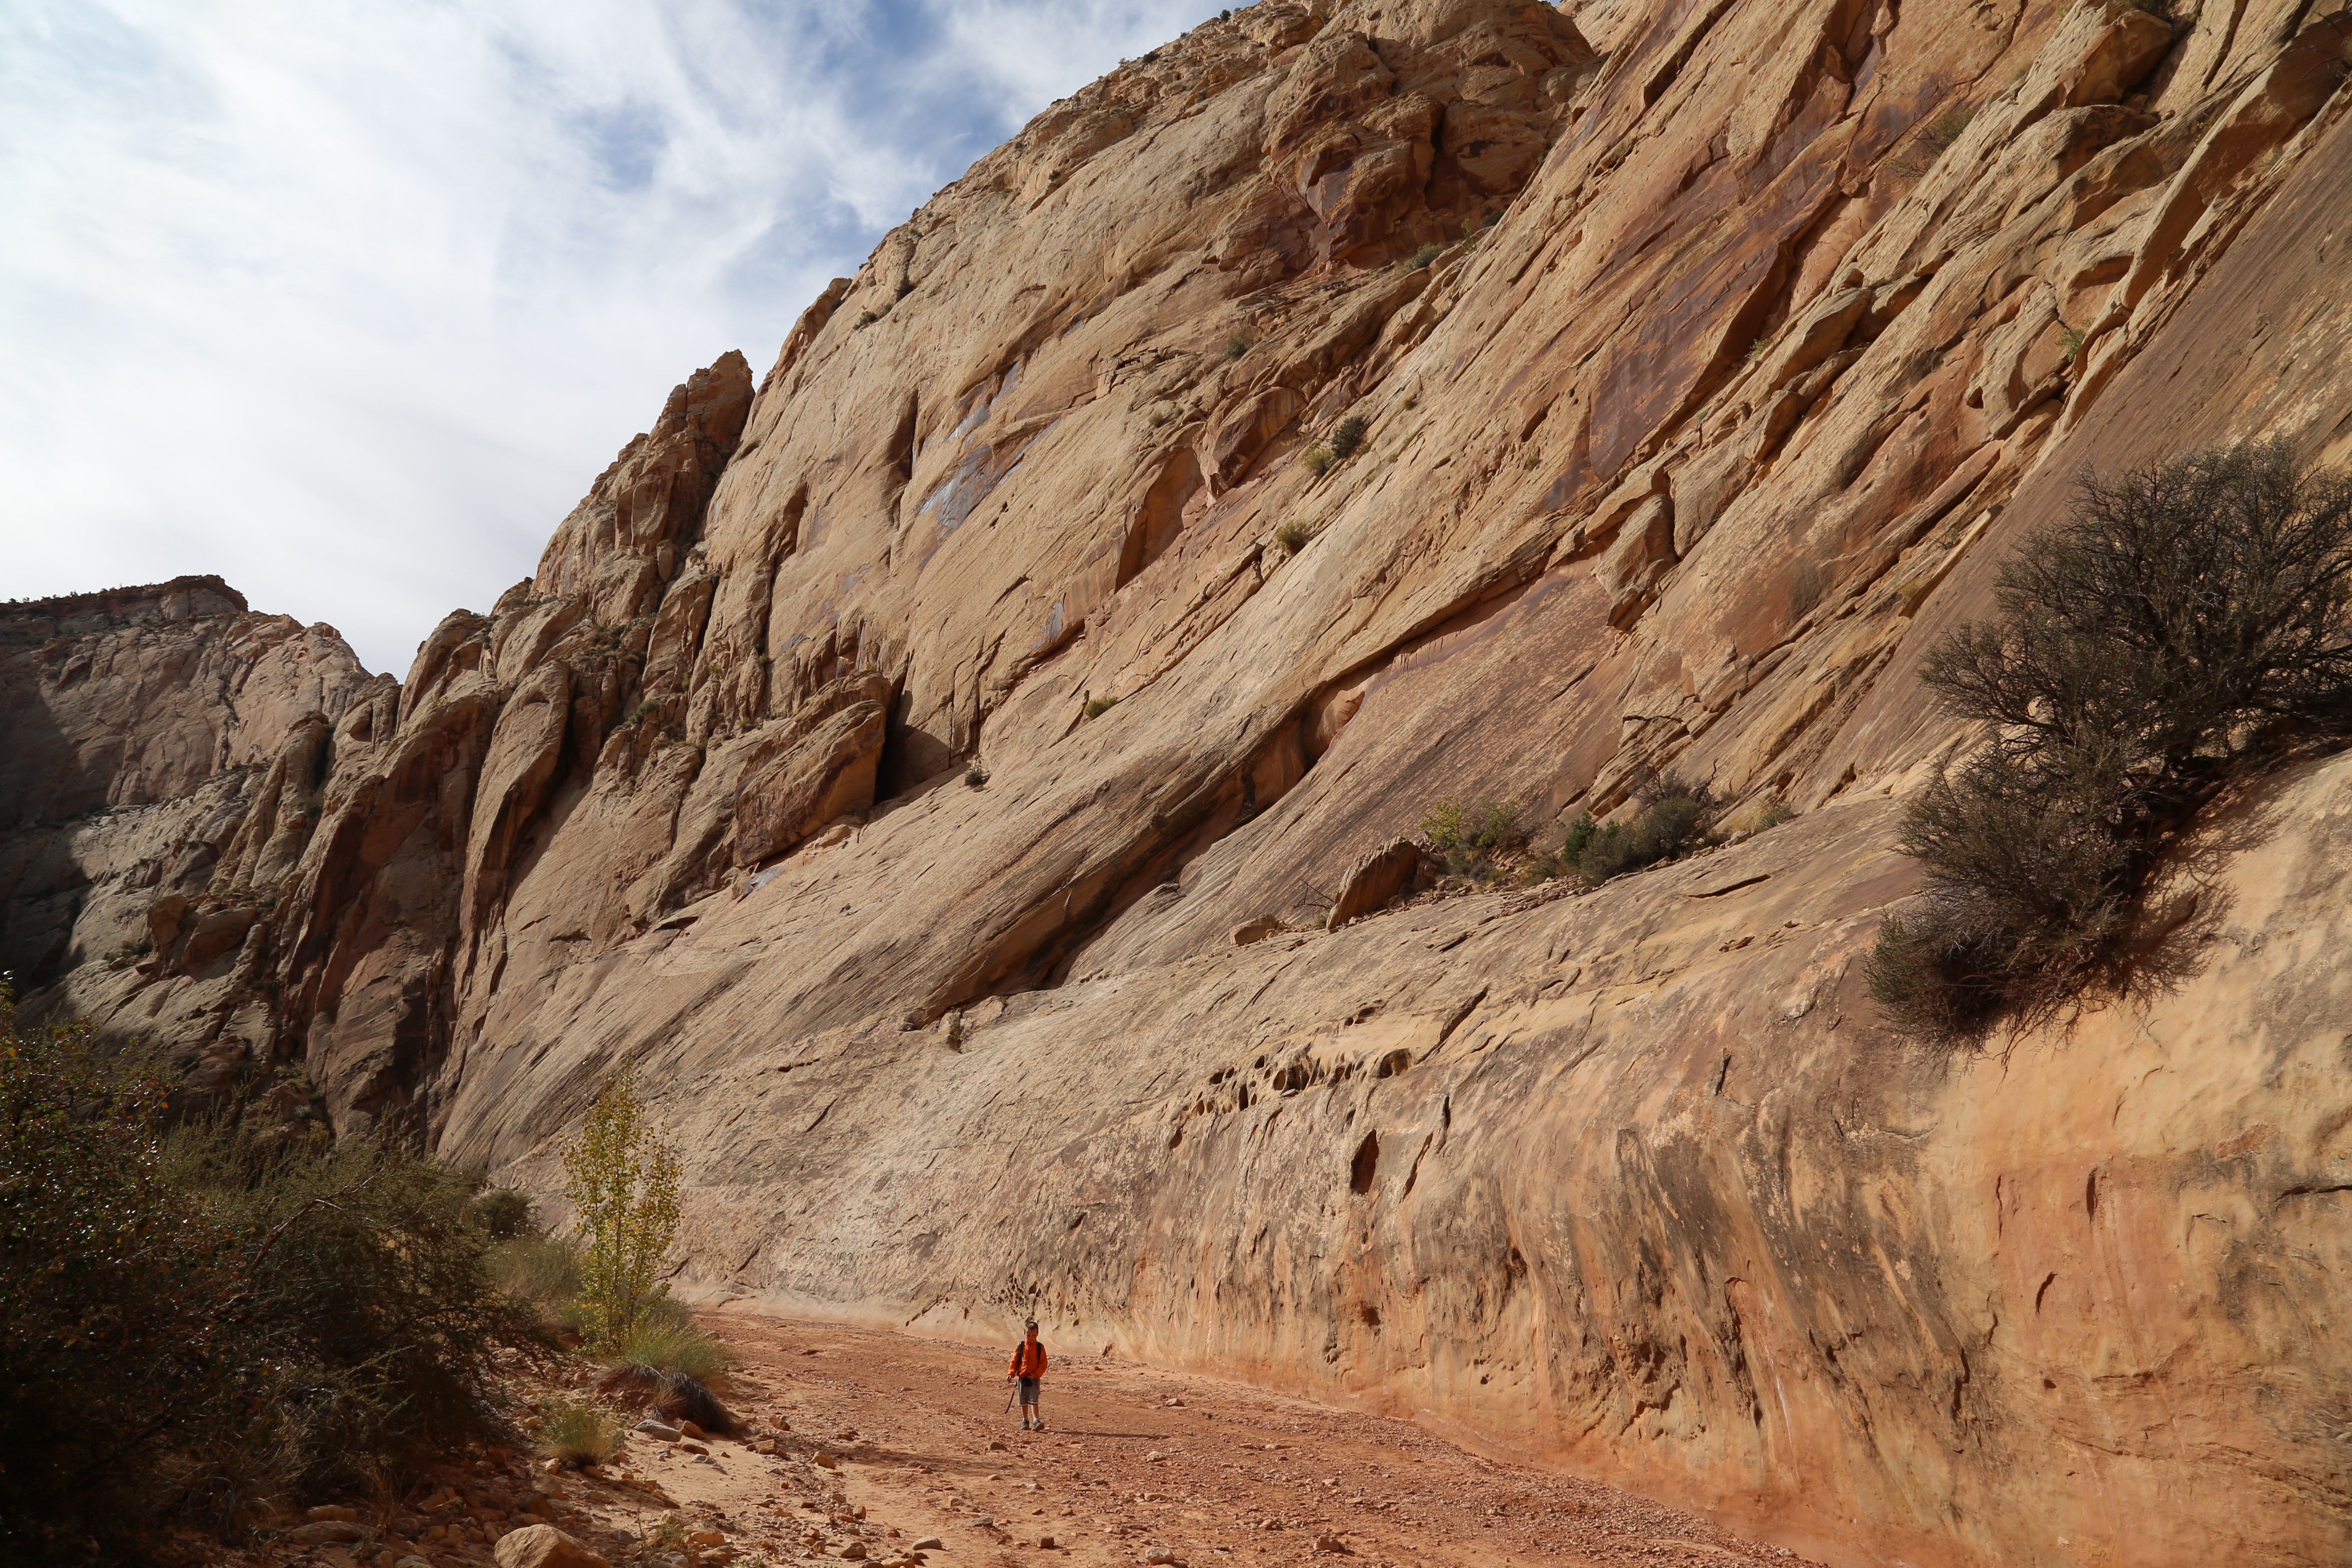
(622, 1177)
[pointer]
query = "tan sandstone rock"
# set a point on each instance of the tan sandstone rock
(544, 1546)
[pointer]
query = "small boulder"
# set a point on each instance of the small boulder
(855, 1551)
(708, 1538)
(929, 1543)
(1373, 881)
(544, 1546)
(333, 1510)
(691, 1430)
(1329, 1543)
(827, 1461)
(1160, 1556)
(324, 1532)
(655, 1429)
(1046, 1544)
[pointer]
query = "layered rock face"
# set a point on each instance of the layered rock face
(134, 727)
(933, 766)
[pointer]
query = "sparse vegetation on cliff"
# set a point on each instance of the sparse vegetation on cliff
(1673, 820)
(1468, 840)
(2188, 625)
(1933, 142)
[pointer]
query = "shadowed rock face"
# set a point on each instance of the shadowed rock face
(1793, 319)
(135, 728)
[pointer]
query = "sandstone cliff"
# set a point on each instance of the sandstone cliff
(887, 756)
(134, 727)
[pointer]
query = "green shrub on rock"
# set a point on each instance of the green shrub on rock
(1672, 821)
(1466, 840)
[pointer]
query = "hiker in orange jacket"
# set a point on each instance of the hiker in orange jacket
(1028, 1367)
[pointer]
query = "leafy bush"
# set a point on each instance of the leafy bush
(201, 1321)
(1319, 460)
(578, 1431)
(1098, 706)
(2184, 626)
(622, 1178)
(109, 1275)
(1424, 257)
(1672, 821)
(1292, 536)
(1561, 862)
(502, 1213)
(1349, 436)
(1239, 345)
(1468, 839)
(368, 1299)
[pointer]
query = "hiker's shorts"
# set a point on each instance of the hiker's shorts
(1029, 1391)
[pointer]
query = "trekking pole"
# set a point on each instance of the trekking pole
(1008, 1395)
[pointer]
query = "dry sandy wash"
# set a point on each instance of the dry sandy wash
(1132, 1458)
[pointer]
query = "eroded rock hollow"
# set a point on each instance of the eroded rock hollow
(964, 765)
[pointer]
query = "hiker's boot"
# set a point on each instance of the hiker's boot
(1041, 1424)
(1025, 1423)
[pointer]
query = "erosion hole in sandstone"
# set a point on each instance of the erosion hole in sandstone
(1365, 1164)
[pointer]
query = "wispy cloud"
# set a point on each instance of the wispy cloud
(348, 301)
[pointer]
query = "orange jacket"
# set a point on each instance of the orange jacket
(1028, 1360)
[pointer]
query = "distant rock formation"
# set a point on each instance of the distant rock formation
(1790, 320)
(134, 725)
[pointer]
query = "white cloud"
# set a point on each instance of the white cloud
(350, 301)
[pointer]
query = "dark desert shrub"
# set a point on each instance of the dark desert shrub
(200, 1322)
(502, 1213)
(672, 1395)
(1672, 822)
(2185, 624)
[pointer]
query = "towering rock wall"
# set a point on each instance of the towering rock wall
(890, 757)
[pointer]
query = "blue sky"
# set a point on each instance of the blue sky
(350, 300)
